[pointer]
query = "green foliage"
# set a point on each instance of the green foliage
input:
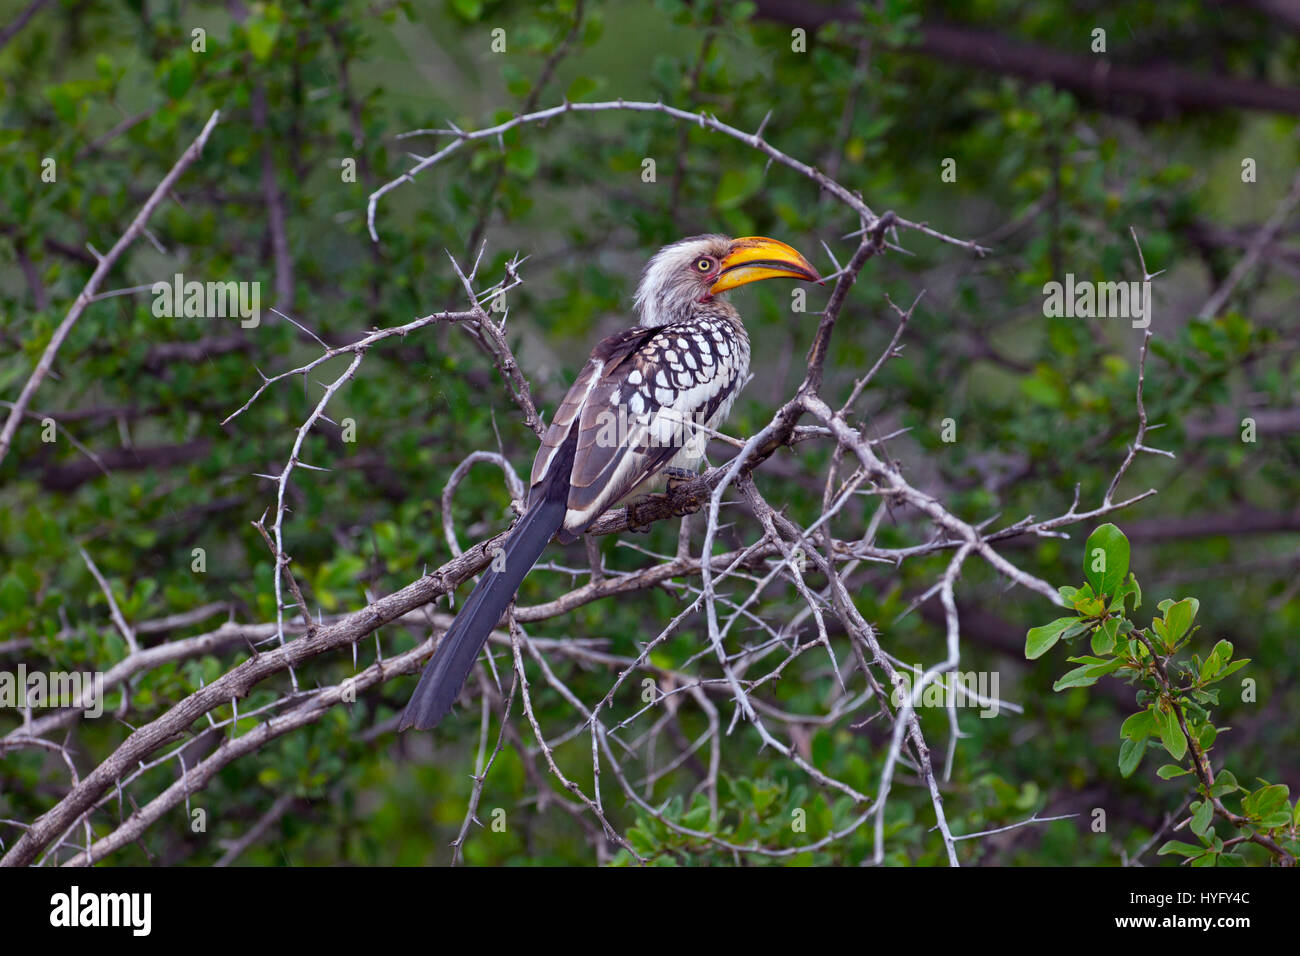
(113, 93)
(1177, 693)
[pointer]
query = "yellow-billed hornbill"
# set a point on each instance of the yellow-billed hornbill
(631, 416)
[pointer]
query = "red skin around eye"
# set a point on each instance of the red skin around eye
(706, 280)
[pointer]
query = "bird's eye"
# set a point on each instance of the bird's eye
(704, 265)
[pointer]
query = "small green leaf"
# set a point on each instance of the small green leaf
(1106, 667)
(261, 38)
(1178, 619)
(1182, 849)
(522, 161)
(1233, 668)
(1221, 654)
(1224, 783)
(1130, 755)
(470, 10)
(1138, 727)
(179, 76)
(580, 87)
(1079, 677)
(1171, 770)
(1266, 800)
(1103, 637)
(1123, 592)
(1171, 735)
(1202, 815)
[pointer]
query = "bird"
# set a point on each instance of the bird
(630, 420)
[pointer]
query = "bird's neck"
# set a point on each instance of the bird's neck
(662, 311)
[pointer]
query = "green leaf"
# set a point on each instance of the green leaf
(698, 818)
(1171, 770)
(1202, 816)
(1106, 667)
(1040, 640)
(180, 75)
(1105, 561)
(261, 38)
(1079, 677)
(522, 161)
(1103, 637)
(1130, 755)
(518, 83)
(1138, 727)
(13, 595)
(1224, 783)
(1182, 849)
(1124, 591)
(470, 10)
(1090, 607)
(1233, 668)
(1266, 800)
(1178, 619)
(1221, 654)
(580, 87)
(1171, 735)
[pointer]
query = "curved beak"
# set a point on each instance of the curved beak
(756, 257)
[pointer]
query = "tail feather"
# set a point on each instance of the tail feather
(445, 674)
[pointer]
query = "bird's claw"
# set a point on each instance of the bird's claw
(634, 524)
(683, 505)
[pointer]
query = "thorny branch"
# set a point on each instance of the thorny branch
(727, 680)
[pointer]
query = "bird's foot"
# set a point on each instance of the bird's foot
(636, 508)
(683, 505)
(678, 477)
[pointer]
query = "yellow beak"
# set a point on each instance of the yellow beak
(756, 257)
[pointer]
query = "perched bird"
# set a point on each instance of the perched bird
(631, 416)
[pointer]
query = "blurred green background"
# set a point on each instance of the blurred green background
(1056, 159)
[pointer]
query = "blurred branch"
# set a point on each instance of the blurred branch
(9, 32)
(1246, 263)
(1154, 89)
(754, 140)
(106, 264)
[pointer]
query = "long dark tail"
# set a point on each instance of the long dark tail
(445, 674)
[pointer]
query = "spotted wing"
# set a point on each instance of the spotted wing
(640, 411)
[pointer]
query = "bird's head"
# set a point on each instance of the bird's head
(683, 276)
